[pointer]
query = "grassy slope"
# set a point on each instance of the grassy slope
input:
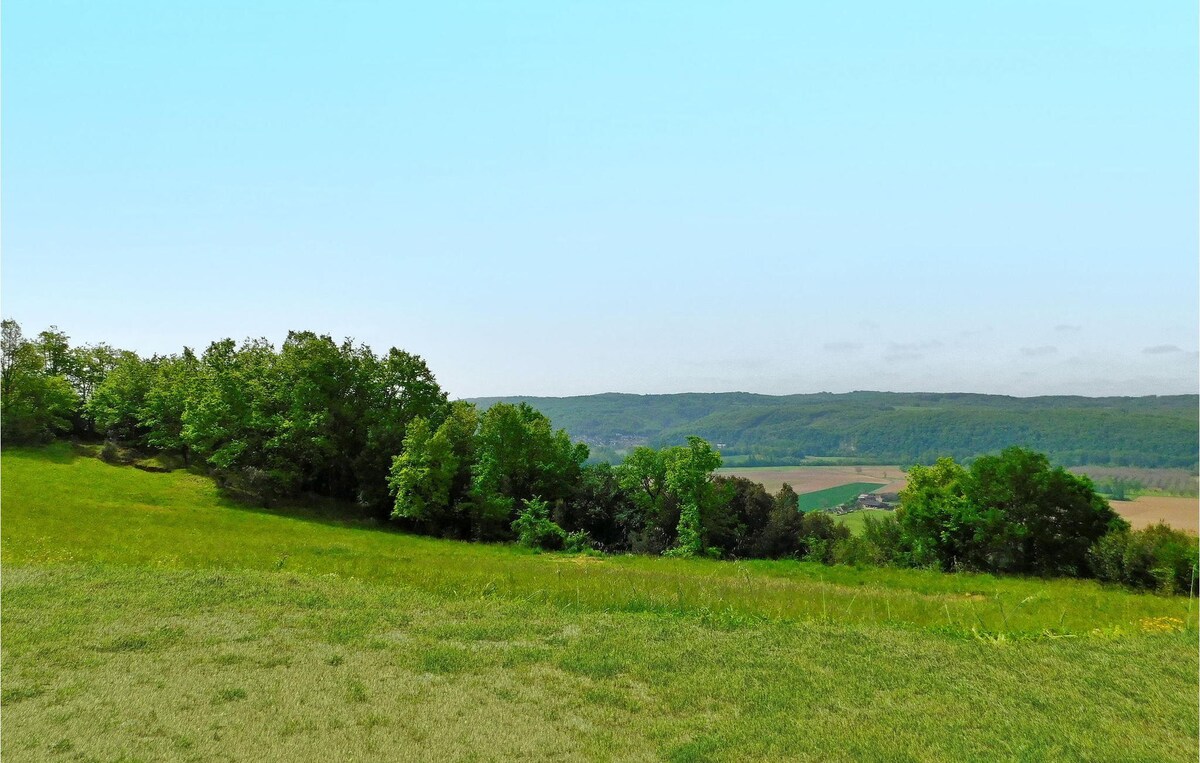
(144, 618)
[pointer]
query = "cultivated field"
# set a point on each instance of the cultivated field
(147, 618)
(808, 479)
(834, 496)
(1180, 512)
(1183, 513)
(856, 520)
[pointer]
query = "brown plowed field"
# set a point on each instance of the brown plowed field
(807, 479)
(1181, 513)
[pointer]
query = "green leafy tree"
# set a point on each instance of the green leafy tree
(1033, 518)
(601, 508)
(399, 388)
(1157, 557)
(935, 515)
(674, 494)
(886, 536)
(782, 534)
(820, 535)
(534, 528)
(176, 387)
(431, 478)
(323, 396)
(1009, 513)
(34, 404)
(55, 348)
(653, 522)
(689, 470)
(737, 529)
(235, 420)
(520, 456)
(89, 365)
(116, 406)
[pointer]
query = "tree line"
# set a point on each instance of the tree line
(316, 416)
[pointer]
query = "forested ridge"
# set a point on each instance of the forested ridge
(901, 427)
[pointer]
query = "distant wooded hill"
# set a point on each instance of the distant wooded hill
(885, 426)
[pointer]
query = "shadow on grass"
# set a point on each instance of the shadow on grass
(55, 452)
(309, 508)
(320, 510)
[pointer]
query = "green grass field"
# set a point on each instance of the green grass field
(855, 520)
(835, 496)
(146, 618)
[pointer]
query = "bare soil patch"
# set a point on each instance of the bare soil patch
(808, 479)
(1180, 513)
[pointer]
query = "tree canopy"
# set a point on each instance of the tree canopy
(1010, 512)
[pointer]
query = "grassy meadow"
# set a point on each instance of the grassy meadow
(856, 520)
(147, 618)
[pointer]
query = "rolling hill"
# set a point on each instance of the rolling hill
(1153, 431)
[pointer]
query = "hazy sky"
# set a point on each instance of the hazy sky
(566, 198)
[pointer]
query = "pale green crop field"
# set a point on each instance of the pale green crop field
(857, 520)
(834, 496)
(145, 618)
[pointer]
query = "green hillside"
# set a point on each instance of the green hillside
(888, 427)
(148, 618)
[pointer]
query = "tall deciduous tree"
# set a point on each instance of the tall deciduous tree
(689, 475)
(35, 405)
(520, 456)
(1035, 518)
(399, 389)
(431, 478)
(935, 514)
(1011, 512)
(55, 347)
(116, 406)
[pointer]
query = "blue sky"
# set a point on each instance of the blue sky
(565, 198)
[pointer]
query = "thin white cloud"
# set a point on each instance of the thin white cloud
(842, 346)
(1162, 349)
(1039, 352)
(902, 347)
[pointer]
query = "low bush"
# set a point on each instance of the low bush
(1156, 558)
(535, 529)
(110, 453)
(887, 537)
(578, 542)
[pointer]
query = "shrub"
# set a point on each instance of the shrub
(1154, 558)
(578, 542)
(856, 551)
(534, 528)
(110, 453)
(819, 533)
(885, 534)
